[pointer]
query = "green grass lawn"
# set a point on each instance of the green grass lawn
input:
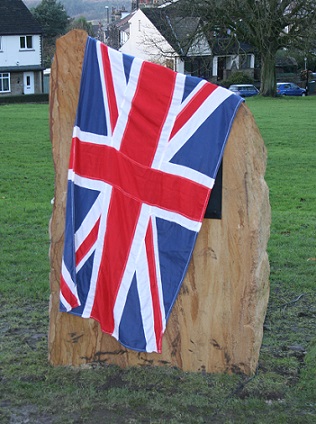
(284, 387)
(288, 127)
(26, 189)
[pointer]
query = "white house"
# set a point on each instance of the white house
(21, 67)
(155, 35)
(162, 35)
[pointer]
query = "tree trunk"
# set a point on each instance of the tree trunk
(268, 74)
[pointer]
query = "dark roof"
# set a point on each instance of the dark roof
(179, 31)
(21, 68)
(286, 62)
(229, 45)
(123, 23)
(179, 26)
(15, 19)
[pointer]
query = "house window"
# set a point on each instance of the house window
(26, 42)
(4, 82)
(198, 67)
(245, 61)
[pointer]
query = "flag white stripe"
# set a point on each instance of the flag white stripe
(85, 258)
(193, 94)
(158, 274)
(68, 280)
(88, 223)
(129, 271)
(105, 201)
(64, 302)
(84, 182)
(188, 173)
(127, 104)
(145, 300)
(169, 123)
(196, 120)
(177, 219)
(104, 88)
(89, 137)
(118, 75)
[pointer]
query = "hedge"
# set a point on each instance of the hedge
(30, 98)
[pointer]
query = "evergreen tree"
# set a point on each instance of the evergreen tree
(54, 21)
(82, 23)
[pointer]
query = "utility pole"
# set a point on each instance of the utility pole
(107, 15)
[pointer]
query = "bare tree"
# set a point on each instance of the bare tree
(268, 25)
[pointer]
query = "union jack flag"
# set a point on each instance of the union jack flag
(146, 146)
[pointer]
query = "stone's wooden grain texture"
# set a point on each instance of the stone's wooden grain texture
(217, 321)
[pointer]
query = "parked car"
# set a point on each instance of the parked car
(290, 89)
(244, 90)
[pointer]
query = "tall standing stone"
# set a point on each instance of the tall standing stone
(216, 324)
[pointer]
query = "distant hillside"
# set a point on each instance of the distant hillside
(90, 9)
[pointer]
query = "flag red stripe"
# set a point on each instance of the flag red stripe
(72, 156)
(68, 295)
(154, 286)
(121, 224)
(192, 107)
(88, 242)
(109, 86)
(141, 135)
(148, 185)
